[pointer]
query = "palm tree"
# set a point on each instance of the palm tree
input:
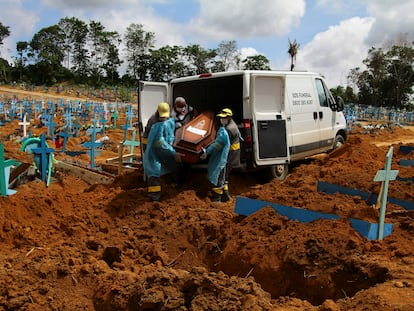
(293, 50)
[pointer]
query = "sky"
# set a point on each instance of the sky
(334, 35)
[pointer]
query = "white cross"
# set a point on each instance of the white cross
(24, 123)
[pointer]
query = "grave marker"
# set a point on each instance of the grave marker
(92, 144)
(65, 136)
(24, 125)
(132, 143)
(45, 154)
(385, 176)
(5, 173)
(114, 117)
(50, 127)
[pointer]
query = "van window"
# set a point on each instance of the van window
(268, 92)
(323, 99)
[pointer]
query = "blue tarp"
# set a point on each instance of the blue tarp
(246, 206)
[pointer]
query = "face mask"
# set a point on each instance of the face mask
(223, 122)
(180, 109)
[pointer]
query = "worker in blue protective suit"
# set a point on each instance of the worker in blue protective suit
(160, 157)
(217, 152)
(233, 160)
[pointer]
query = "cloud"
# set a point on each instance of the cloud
(391, 20)
(245, 52)
(21, 22)
(85, 4)
(229, 19)
(337, 50)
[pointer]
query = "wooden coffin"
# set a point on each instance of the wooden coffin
(195, 135)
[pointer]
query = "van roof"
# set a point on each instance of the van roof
(243, 72)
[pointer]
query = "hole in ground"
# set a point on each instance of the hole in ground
(341, 281)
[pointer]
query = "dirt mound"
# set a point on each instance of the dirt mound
(76, 246)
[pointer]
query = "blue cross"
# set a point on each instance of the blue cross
(92, 144)
(132, 143)
(76, 127)
(50, 127)
(103, 121)
(68, 118)
(65, 136)
(44, 151)
(5, 172)
(12, 111)
(115, 117)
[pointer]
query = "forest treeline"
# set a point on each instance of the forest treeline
(77, 52)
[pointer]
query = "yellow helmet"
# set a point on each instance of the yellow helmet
(224, 113)
(163, 110)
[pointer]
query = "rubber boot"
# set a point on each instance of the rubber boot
(216, 194)
(225, 197)
(154, 196)
(154, 188)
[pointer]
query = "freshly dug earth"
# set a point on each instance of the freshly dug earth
(76, 246)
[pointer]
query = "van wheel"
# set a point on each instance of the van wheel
(339, 141)
(279, 171)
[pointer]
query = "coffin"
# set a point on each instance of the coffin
(195, 135)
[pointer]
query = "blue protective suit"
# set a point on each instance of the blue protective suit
(159, 154)
(218, 152)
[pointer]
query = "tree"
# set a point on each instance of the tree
(4, 69)
(138, 43)
(228, 55)
(349, 95)
(4, 65)
(112, 60)
(47, 52)
(21, 47)
(346, 94)
(388, 79)
(167, 63)
(104, 51)
(199, 60)
(48, 45)
(76, 53)
(400, 75)
(293, 51)
(4, 32)
(256, 62)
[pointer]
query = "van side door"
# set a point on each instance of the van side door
(150, 94)
(303, 119)
(268, 119)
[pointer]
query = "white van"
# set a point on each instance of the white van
(283, 116)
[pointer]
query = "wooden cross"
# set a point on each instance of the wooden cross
(24, 124)
(115, 116)
(50, 127)
(132, 143)
(65, 136)
(44, 151)
(92, 144)
(385, 176)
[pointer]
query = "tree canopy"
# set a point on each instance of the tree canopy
(388, 79)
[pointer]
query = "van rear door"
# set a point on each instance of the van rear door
(150, 95)
(269, 119)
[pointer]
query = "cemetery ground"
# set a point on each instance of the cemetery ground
(76, 245)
